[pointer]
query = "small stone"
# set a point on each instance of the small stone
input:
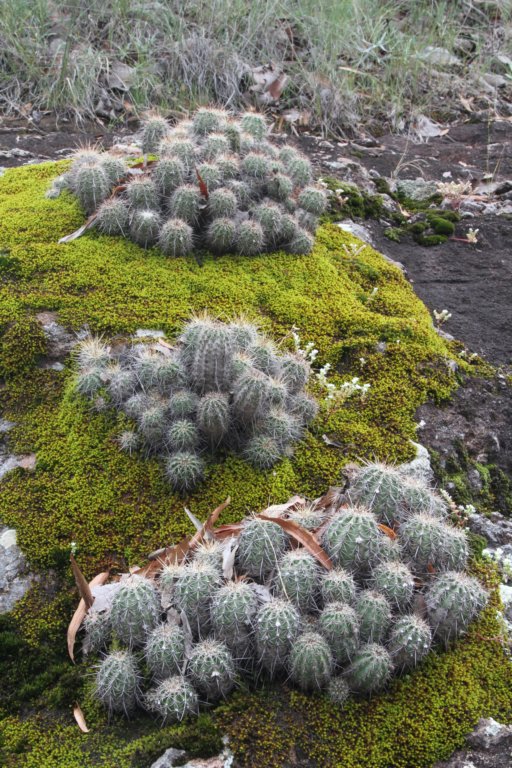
(144, 333)
(441, 57)
(168, 759)
(6, 426)
(489, 732)
(357, 230)
(417, 189)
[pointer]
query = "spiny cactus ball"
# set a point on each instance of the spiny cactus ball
(298, 578)
(165, 650)
(193, 593)
(453, 601)
(338, 586)
(396, 582)
(208, 171)
(173, 699)
(338, 691)
(370, 670)
(409, 641)
(176, 238)
(277, 626)
(352, 539)
(233, 609)
(113, 217)
(98, 629)
(135, 610)
(310, 662)
(117, 682)
(212, 669)
(374, 613)
(391, 496)
(339, 624)
(260, 546)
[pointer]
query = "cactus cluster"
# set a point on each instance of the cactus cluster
(222, 387)
(216, 182)
(261, 604)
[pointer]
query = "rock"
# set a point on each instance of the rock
(15, 579)
(489, 732)
(502, 64)
(506, 599)
(441, 57)
(471, 206)
(7, 464)
(418, 189)
(6, 426)
(352, 172)
(144, 333)
(59, 341)
(497, 530)
(357, 230)
(121, 77)
(420, 467)
(495, 81)
(168, 759)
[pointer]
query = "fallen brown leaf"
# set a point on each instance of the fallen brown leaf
(80, 719)
(304, 537)
(81, 613)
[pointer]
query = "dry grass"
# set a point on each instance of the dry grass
(348, 61)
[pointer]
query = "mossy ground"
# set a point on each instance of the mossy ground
(364, 319)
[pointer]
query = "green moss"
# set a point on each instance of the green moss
(349, 200)
(393, 233)
(364, 319)
(440, 225)
(21, 345)
(430, 240)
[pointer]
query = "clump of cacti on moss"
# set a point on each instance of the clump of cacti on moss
(214, 182)
(223, 387)
(323, 605)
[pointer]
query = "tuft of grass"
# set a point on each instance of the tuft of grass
(348, 61)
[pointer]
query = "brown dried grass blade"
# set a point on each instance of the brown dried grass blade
(81, 613)
(81, 582)
(304, 537)
(80, 719)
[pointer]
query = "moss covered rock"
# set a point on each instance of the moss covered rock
(365, 321)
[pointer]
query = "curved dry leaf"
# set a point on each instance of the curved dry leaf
(81, 583)
(304, 537)
(276, 510)
(80, 719)
(388, 531)
(80, 615)
(230, 529)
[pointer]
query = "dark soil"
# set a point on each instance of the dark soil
(471, 281)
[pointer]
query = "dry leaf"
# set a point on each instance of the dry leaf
(304, 537)
(277, 510)
(80, 615)
(388, 531)
(80, 719)
(81, 582)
